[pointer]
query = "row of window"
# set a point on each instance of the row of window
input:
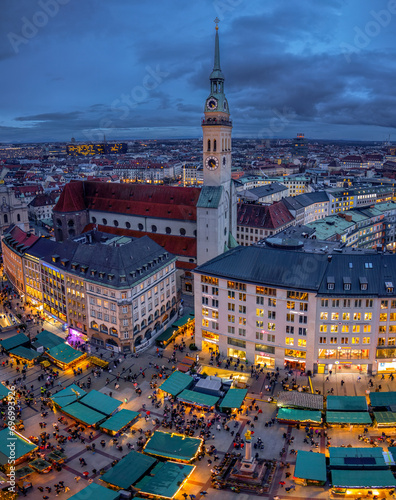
(154, 229)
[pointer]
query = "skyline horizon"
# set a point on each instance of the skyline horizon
(125, 70)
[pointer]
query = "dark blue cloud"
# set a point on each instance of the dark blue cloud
(139, 69)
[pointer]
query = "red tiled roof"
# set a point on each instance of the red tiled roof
(22, 237)
(181, 264)
(264, 216)
(178, 245)
(166, 202)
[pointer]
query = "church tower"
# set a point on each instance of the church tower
(217, 206)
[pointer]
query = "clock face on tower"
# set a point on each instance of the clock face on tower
(211, 103)
(211, 163)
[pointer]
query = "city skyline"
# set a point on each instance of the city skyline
(127, 71)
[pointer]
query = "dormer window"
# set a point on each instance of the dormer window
(93, 272)
(389, 286)
(111, 277)
(101, 274)
(347, 283)
(122, 279)
(363, 283)
(330, 283)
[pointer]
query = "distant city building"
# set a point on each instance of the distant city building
(300, 146)
(13, 210)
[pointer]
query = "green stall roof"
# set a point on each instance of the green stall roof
(119, 420)
(25, 353)
(348, 417)
(94, 491)
(165, 480)
(14, 341)
(83, 413)
(385, 417)
(100, 402)
(128, 470)
(65, 353)
(176, 383)
(356, 458)
(233, 399)
(22, 446)
(48, 339)
(166, 335)
(170, 445)
(299, 415)
(362, 479)
(182, 321)
(3, 391)
(311, 466)
(383, 398)
(67, 396)
(347, 403)
(198, 398)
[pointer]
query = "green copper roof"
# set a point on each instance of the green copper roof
(217, 73)
(210, 197)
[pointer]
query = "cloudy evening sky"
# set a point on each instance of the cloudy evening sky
(139, 69)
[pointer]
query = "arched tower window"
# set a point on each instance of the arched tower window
(208, 144)
(214, 145)
(5, 219)
(18, 218)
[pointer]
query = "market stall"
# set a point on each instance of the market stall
(198, 399)
(25, 355)
(310, 468)
(385, 418)
(95, 491)
(119, 421)
(67, 396)
(129, 470)
(294, 416)
(303, 400)
(348, 418)
(346, 403)
(233, 400)
(23, 447)
(65, 356)
(176, 383)
(174, 446)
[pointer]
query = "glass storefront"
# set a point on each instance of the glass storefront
(264, 361)
(388, 366)
(236, 353)
(344, 353)
(342, 367)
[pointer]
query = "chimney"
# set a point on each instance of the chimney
(329, 257)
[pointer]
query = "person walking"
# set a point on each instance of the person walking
(342, 383)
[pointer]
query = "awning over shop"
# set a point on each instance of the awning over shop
(176, 383)
(100, 402)
(165, 479)
(294, 399)
(24, 353)
(128, 470)
(383, 399)
(233, 399)
(346, 403)
(294, 415)
(68, 395)
(385, 418)
(14, 341)
(197, 398)
(356, 458)
(95, 491)
(171, 445)
(119, 420)
(311, 466)
(47, 340)
(182, 321)
(22, 445)
(166, 335)
(362, 479)
(84, 414)
(348, 417)
(65, 354)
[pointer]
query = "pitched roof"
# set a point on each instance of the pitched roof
(210, 197)
(165, 202)
(264, 216)
(177, 245)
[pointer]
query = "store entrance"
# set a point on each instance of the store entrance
(341, 368)
(294, 365)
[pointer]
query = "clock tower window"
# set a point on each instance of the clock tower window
(208, 144)
(214, 145)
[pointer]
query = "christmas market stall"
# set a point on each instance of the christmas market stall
(198, 399)
(176, 383)
(20, 450)
(233, 400)
(346, 403)
(129, 470)
(174, 446)
(24, 355)
(95, 491)
(385, 418)
(310, 468)
(65, 356)
(67, 396)
(45, 340)
(382, 400)
(15, 341)
(344, 418)
(119, 421)
(294, 416)
(303, 400)
(165, 480)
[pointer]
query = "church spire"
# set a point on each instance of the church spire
(217, 73)
(216, 65)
